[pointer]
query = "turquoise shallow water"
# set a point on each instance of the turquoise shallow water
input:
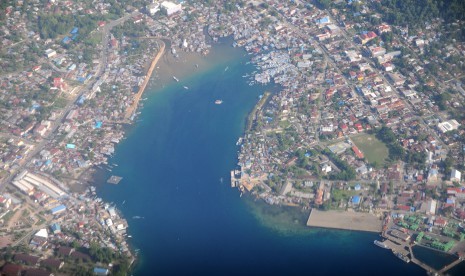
(193, 223)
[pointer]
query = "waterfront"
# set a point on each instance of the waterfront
(187, 220)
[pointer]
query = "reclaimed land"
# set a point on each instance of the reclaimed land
(374, 150)
(344, 220)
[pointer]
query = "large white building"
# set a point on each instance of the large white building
(448, 126)
(170, 8)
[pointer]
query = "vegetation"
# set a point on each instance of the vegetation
(396, 151)
(347, 172)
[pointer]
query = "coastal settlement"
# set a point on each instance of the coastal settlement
(368, 125)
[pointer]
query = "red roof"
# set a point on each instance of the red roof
(357, 152)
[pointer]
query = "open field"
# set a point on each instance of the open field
(344, 220)
(373, 149)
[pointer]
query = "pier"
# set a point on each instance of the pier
(344, 220)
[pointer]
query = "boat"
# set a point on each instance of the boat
(226, 69)
(381, 244)
(218, 102)
(402, 257)
(185, 87)
(176, 79)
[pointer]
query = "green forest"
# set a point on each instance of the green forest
(417, 12)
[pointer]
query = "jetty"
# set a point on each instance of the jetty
(132, 108)
(256, 111)
(114, 179)
(344, 220)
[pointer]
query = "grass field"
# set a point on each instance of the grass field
(373, 149)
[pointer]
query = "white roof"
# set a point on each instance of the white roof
(42, 233)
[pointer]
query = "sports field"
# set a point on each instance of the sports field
(373, 149)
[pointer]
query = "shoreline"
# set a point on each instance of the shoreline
(133, 107)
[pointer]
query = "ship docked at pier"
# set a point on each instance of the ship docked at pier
(402, 256)
(381, 244)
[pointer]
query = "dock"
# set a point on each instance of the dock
(344, 220)
(114, 179)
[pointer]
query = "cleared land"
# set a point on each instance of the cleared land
(373, 149)
(345, 220)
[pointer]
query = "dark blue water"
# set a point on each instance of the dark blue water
(194, 224)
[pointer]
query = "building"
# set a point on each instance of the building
(101, 271)
(431, 207)
(448, 126)
(170, 8)
(153, 8)
(58, 209)
(455, 175)
(50, 53)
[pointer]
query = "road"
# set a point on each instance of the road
(81, 91)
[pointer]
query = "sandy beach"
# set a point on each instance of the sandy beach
(131, 109)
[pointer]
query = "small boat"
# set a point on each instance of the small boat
(185, 87)
(196, 66)
(137, 217)
(129, 236)
(176, 79)
(218, 102)
(226, 69)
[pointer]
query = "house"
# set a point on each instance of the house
(153, 8)
(26, 259)
(326, 168)
(50, 53)
(101, 271)
(37, 272)
(440, 222)
(357, 152)
(455, 175)
(11, 270)
(56, 229)
(356, 200)
(65, 251)
(52, 263)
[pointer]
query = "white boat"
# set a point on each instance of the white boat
(218, 102)
(185, 87)
(381, 244)
(176, 79)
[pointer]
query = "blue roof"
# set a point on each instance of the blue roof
(100, 271)
(58, 209)
(98, 124)
(70, 146)
(55, 227)
(356, 200)
(323, 20)
(66, 40)
(74, 30)
(74, 36)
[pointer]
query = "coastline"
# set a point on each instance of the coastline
(133, 107)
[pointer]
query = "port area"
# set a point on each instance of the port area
(400, 241)
(345, 220)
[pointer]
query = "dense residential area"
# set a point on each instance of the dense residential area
(369, 117)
